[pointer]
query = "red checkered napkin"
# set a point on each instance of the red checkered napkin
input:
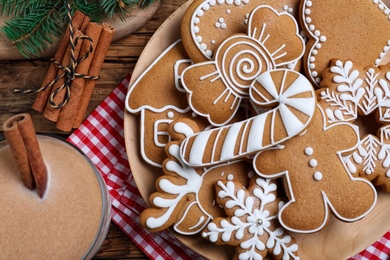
(101, 138)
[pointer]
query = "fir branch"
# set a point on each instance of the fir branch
(92, 9)
(34, 23)
(146, 3)
(32, 32)
(120, 7)
(10, 7)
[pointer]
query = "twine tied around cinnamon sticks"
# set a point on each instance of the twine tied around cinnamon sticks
(69, 71)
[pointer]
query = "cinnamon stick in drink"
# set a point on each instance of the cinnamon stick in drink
(96, 66)
(68, 112)
(21, 137)
(50, 112)
(78, 20)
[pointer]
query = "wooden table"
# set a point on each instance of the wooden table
(120, 61)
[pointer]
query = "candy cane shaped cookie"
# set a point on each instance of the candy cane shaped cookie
(294, 102)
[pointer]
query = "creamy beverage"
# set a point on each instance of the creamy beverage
(69, 222)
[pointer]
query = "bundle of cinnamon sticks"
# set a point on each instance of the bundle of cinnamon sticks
(72, 114)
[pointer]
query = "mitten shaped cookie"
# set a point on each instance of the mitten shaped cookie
(363, 36)
(316, 179)
(251, 225)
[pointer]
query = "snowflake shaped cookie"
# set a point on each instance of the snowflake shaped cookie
(251, 224)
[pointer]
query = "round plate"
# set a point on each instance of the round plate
(329, 243)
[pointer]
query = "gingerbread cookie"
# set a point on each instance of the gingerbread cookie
(371, 159)
(351, 92)
(207, 23)
(159, 101)
(358, 30)
(273, 40)
(251, 225)
(317, 181)
(185, 196)
(293, 100)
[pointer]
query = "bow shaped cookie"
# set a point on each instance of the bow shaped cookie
(215, 88)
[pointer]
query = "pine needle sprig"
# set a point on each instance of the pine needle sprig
(34, 30)
(34, 23)
(92, 9)
(120, 7)
(146, 3)
(8, 7)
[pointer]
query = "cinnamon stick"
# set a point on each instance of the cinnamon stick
(50, 112)
(68, 112)
(84, 25)
(96, 66)
(21, 137)
(42, 97)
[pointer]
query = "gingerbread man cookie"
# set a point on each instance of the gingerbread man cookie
(215, 88)
(356, 30)
(317, 180)
(251, 225)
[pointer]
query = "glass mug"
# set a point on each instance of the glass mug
(71, 220)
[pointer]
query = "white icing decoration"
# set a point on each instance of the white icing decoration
(252, 221)
(196, 29)
(309, 151)
(193, 184)
(147, 106)
(177, 73)
(317, 176)
(157, 133)
(287, 99)
(313, 163)
(371, 153)
(230, 177)
(201, 220)
(207, 6)
(170, 114)
(183, 128)
(365, 93)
